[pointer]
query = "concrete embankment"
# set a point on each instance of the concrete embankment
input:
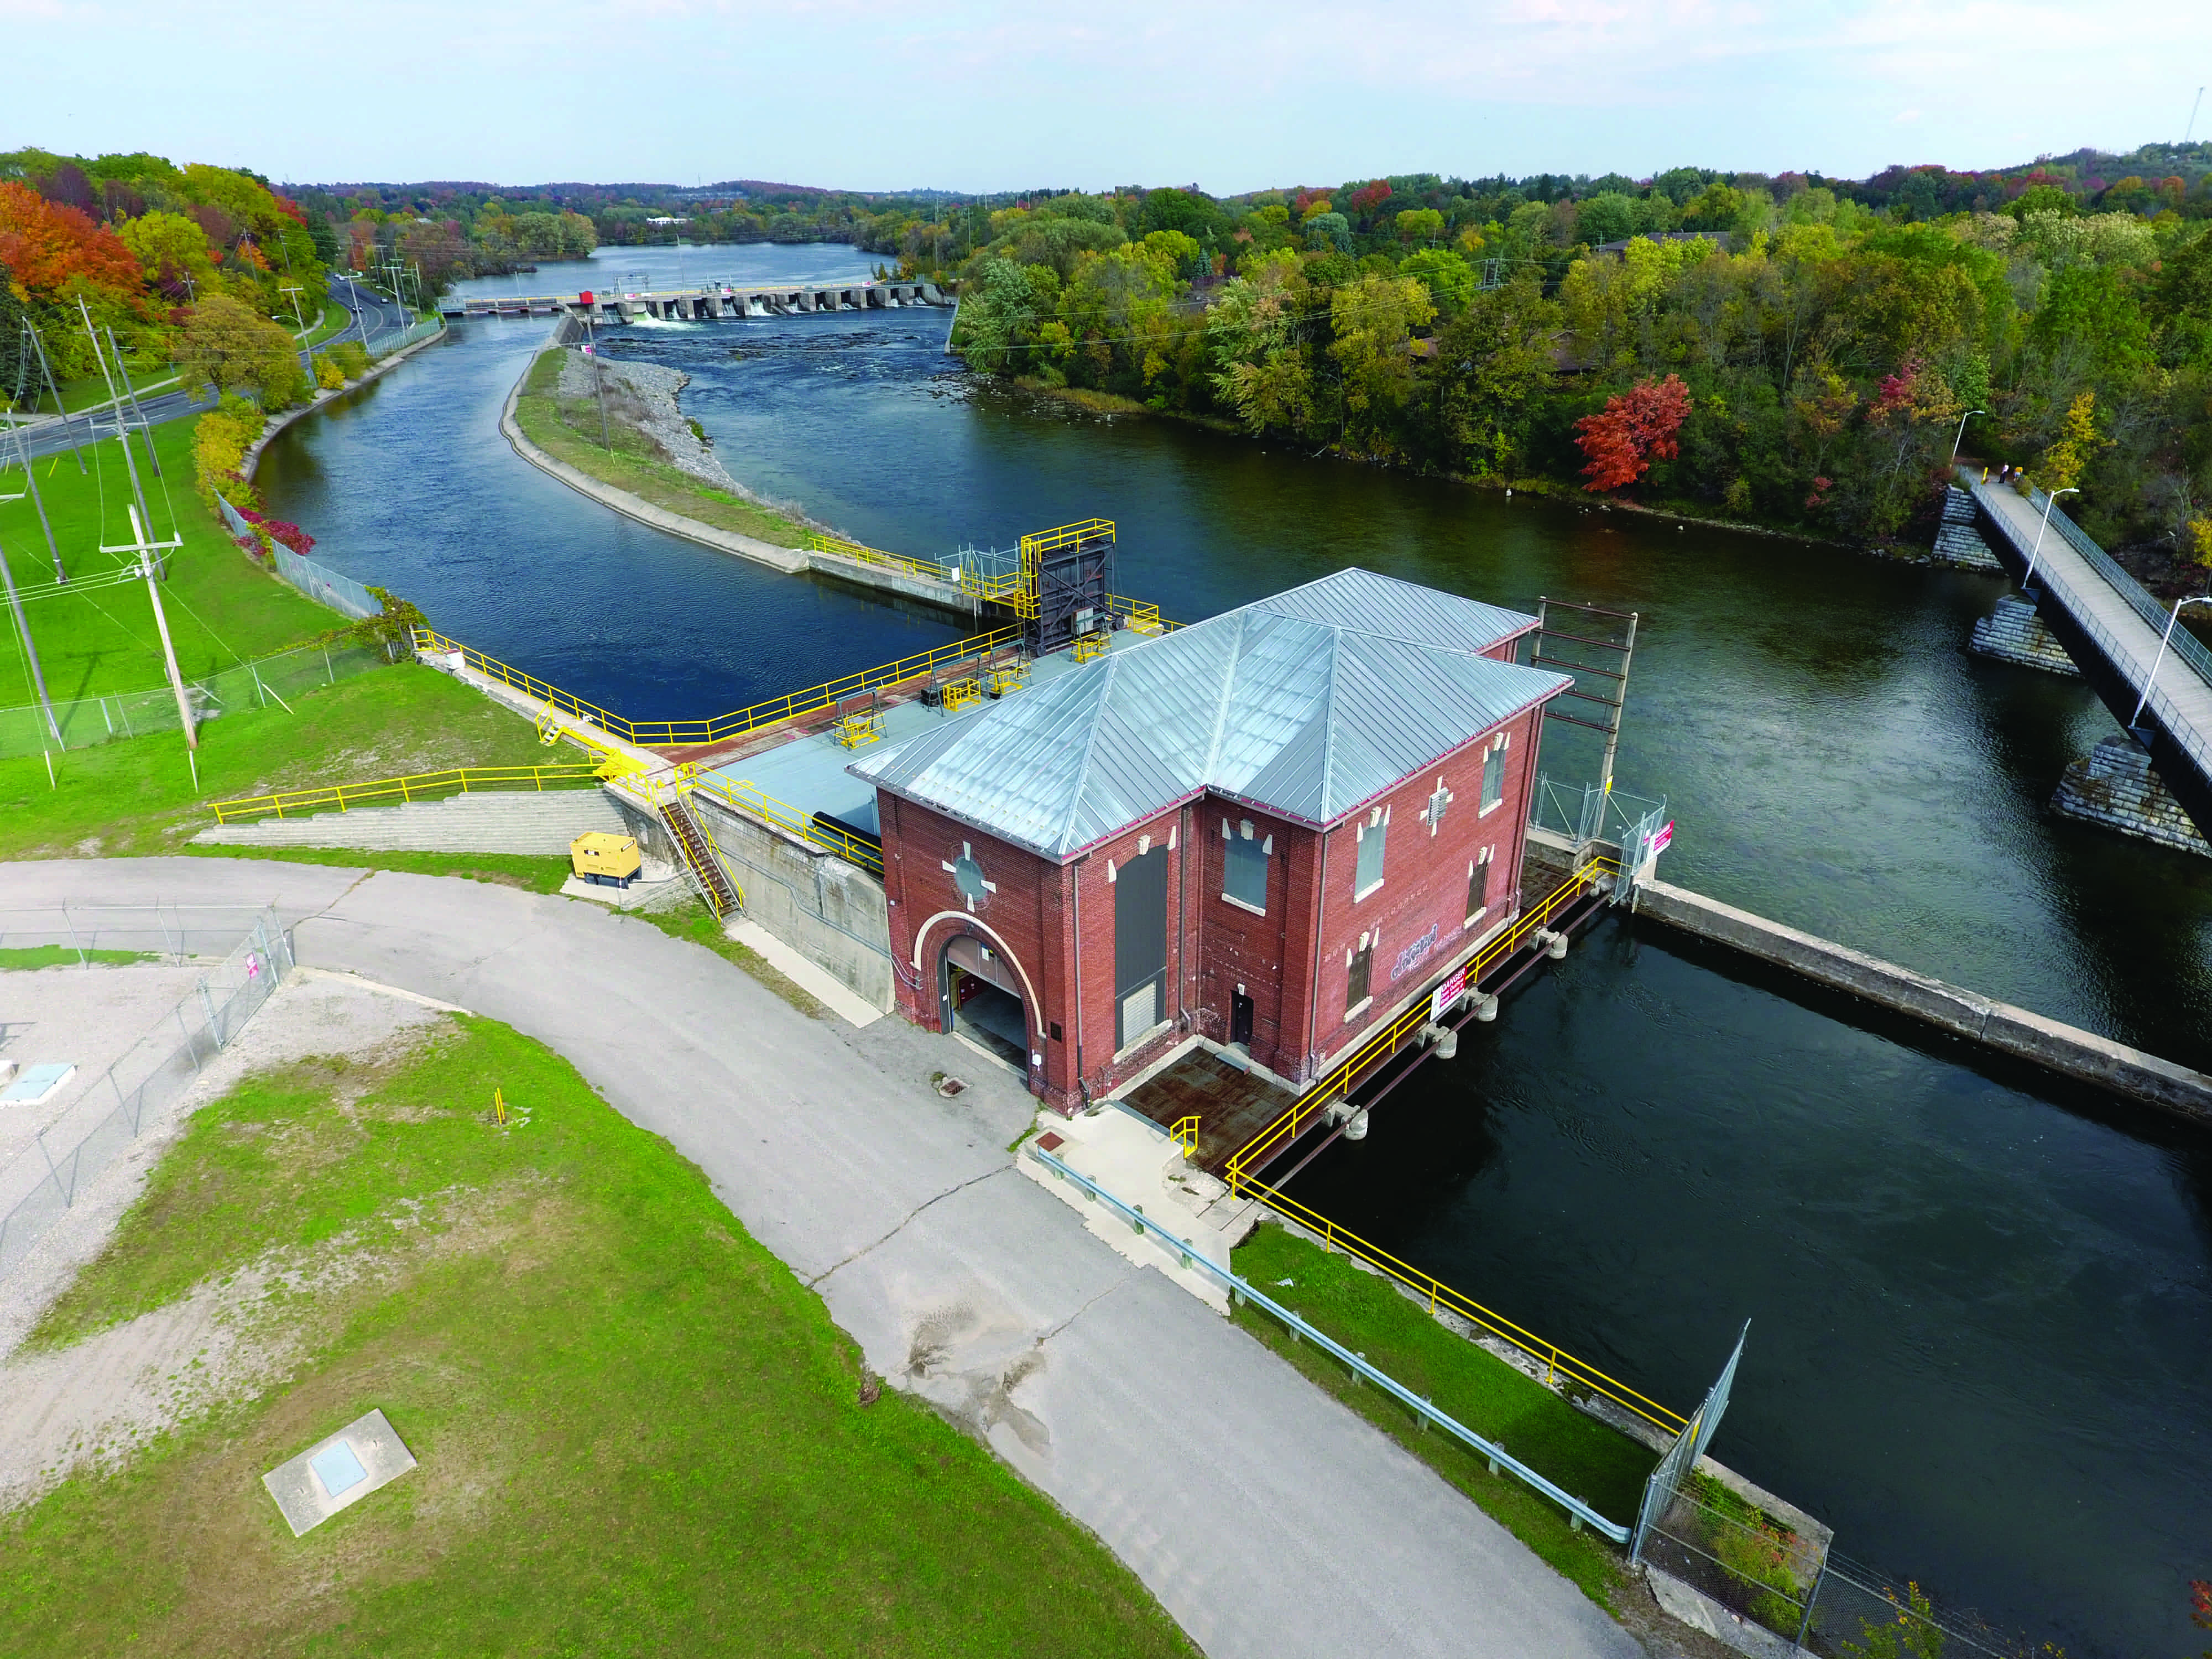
(1999, 1026)
(942, 595)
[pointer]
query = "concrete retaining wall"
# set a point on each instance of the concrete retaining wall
(830, 912)
(1999, 1026)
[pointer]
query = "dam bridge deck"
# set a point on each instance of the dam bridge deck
(707, 302)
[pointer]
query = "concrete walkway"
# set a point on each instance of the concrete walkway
(2182, 697)
(1268, 1519)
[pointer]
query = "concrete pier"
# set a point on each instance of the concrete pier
(2113, 785)
(2014, 634)
(1997, 1026)
(1959, 543)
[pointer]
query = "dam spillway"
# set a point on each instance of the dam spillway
(706, 302)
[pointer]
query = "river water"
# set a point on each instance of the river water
(1981, 1304)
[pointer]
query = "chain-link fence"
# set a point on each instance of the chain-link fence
(40, 1184)
(270, 681)
(318, 582)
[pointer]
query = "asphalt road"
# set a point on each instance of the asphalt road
(376, 319)
(1269, 1520)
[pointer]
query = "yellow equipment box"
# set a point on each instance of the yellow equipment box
(604, 860)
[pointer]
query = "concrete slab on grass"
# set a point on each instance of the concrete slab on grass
(341, 1470)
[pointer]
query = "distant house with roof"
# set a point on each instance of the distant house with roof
(1271, 831)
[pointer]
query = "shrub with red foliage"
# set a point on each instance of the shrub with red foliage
(1634, 429)
(280, 530)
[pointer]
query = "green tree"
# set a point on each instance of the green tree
(1374, 320)
(1451, 281)
(229, 347)
(1491, 367)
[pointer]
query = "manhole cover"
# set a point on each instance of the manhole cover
(950, 1086)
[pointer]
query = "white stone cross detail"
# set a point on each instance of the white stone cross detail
(1438, 802)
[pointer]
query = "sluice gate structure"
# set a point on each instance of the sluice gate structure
(707, 302)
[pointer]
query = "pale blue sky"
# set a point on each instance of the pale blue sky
(976, 95)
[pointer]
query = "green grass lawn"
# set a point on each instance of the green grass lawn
(1603, 1468)
(637, 1433)
(66, 956)
(136, 797)
(222, 607)
(568, 430)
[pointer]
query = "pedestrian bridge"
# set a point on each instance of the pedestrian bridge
(711, 299)
(2112, 628)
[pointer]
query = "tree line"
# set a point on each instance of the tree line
(1792, 351)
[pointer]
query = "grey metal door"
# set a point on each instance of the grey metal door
(1140, 945)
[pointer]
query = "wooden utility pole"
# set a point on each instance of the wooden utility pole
(145, 549)
(61, 409)
(145, 426)
(123, 435)
(23, 629)
(30, 473)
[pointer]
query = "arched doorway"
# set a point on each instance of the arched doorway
(980, 996)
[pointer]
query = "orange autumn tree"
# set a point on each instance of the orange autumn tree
(48, 246)
(1634, 429)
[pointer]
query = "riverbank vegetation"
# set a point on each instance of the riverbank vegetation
(1794, 352)
(637, 1431)
(569, 430)
(189, 262)
(1364, 1312)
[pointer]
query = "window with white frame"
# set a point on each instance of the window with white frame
(1494, 773)
(1477, 885)
(1359, 969)
(1244, 865)
(1368, 876)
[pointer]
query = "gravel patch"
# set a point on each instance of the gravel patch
(93, 1015)
(94, 1401)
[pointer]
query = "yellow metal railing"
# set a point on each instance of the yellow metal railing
(667, 734)
(961, 694)
(1046, 541)
(858, 731)
(1086, 647)
(1557, 1363)
(1184, 1132)
(420, 786)
(744, 797)
(927, 569)
(1139, 618)
(1380, 1044)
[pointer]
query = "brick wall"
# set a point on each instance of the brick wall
(1416, 921)
(1048, 920)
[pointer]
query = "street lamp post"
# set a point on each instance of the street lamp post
(1961, 436)
(2049, 502)
(2144, 702)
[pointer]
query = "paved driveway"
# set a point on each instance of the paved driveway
(1268, 1519)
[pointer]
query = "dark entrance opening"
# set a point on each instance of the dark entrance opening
(982, 1000)
(1240, 1018)
(1140, 946)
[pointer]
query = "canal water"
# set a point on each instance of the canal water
(1981, 1303)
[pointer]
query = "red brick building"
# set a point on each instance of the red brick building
(1273, 830)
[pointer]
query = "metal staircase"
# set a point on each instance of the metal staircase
(707, 873)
